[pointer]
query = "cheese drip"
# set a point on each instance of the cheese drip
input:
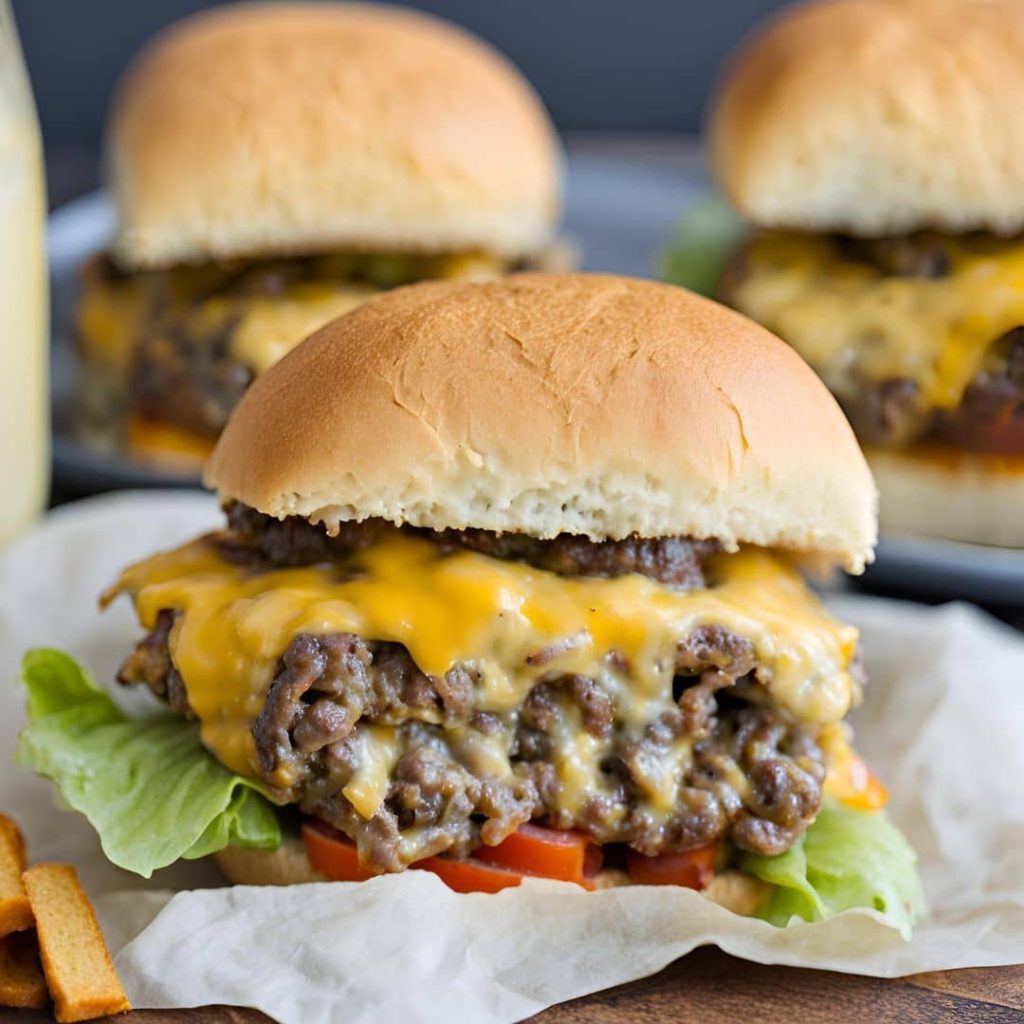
(465, 607)
(855, 324)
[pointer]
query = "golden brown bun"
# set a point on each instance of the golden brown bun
(551, 403)
(264, 128)
(877, 117)
(288, 865)
(951, 495)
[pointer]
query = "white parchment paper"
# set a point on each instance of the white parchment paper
(943, 724)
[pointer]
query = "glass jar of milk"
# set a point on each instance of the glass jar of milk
(24, 329)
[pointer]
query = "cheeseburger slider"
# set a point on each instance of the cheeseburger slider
(878, 148)
(509, 585)
(273, 165)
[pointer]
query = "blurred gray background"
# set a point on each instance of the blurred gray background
(637, 66)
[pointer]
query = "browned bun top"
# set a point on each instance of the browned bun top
(295, 127)
(544, 404)
(877, 117)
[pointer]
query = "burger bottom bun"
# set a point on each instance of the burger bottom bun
(288, 865)
(954, 495)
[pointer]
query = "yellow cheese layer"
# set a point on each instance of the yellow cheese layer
(115, 314)
(468, 608)
(849, 780)
(108, 322)
(270, 328)
(854, 324)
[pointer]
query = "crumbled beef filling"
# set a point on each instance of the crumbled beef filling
(672, 560)
(189, 378)
(917, 255)
(150, 663)
(752, 777)
(893, 412)
(889, 413)
(183, 370)
(262, 541)
(294, 541)
(997, 392)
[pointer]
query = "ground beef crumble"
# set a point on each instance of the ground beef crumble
(753, 777)
(257, 539)
(892, 412)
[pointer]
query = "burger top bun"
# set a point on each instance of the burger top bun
(548, 404)
(265, 128)
(877, 117)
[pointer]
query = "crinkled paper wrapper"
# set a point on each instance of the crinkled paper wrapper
(943, 722)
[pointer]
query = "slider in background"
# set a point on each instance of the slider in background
(878, 148)
(275, 165)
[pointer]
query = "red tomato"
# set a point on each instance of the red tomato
(692, 868)
(534, 851)
(470, 875)
(546, 852)
(332, 853)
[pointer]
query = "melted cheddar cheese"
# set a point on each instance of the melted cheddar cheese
(463, 607)
(166, 445)
(856, 325)
(108, 320)
(270, 328)
(116, 313)
(849, 780)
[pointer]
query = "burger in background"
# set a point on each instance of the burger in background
(877, 146)
(272, 166)
(535, 610)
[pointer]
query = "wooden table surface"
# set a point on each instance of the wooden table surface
(709, 987)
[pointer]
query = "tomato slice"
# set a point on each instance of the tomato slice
(332, 853)
(469, 875)
(535, 851)
(692, 868)
(546, 852)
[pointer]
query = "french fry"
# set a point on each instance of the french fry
(77, 965)
(21, 978)
(15, 911)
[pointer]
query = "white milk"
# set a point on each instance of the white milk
(24, 329)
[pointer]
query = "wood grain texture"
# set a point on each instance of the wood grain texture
(709, 987)
(1002, 985)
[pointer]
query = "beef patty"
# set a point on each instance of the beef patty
(294, 541)
(753, 778)
(459, 776)
(892, 412)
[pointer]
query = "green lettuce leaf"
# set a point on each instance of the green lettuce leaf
(845, 859)
(146, 785)
(701, 245)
